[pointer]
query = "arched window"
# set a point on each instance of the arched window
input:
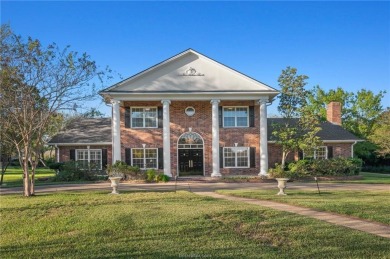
(190, 140)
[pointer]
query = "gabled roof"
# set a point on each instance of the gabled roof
(329, 132)
(189, 72)
(85, 131)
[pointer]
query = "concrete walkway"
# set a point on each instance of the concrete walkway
(378, 229)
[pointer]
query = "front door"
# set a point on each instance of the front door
(190, 162)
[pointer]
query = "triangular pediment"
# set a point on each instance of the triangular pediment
(189, 71)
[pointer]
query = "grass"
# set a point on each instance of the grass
(168, 225)
(371, 178)
(370, 205)
(13, 177)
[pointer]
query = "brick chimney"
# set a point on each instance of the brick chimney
(333, 113)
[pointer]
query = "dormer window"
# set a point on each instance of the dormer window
(144, 117)
(235, 116)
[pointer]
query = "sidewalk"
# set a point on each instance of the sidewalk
(378, 229)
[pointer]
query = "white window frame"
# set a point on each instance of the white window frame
(144, 158)
(235, 158)
(89, 156)
(315, 152)
(235, 117)
(143, 117)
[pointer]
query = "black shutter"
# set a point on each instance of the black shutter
(104, 158)
(221, 157)
(160, 116)
(160, 158)
(330, 152)
(220, 116)
(128, 156)
(252, 158)
(72, 154)
(300, 154)
(127, 117)
(251, 116)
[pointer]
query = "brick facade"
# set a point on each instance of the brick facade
(200, 123)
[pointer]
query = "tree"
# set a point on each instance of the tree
(300, 126)
(359, 110)
(381, 133)
(36, 84)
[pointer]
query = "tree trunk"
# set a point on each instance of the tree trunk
(26, 173)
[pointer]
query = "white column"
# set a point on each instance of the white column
(166, 138)
(116, 132)
(215, 138)
(263, 137)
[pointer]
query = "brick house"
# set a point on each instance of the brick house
(190, 115)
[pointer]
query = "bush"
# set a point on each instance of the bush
(162, 178)
(279, 172)
(376, 169)
(123, 170)
(150, 175)
(327, 167)
(74, 171)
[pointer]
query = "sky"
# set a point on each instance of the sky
(336, 44)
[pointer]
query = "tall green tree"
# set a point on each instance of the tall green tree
(37, 83)
(381, 134)
(299, 126)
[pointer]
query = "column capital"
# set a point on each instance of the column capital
(113, 101)
(215, 101)
(166, 102)
(263, 100)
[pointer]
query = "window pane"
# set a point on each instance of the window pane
(138, 153)
(242, 162)
(150, 153)
(137, 122)
(139, 163)
(230, 162)
(242, 122)
(228, 112)
(228, 121)
(151, 163)
(242, 112)
(150, 123)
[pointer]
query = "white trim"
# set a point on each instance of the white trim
(143, 117)
(190, 96)
(144, 158)
(235, 158)
(89, 156)
(80, 144)
(177, 152)
(235, 117)
(166, 137)
(215, 137)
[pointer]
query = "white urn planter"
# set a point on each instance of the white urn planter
(114, 184)
(282, 185)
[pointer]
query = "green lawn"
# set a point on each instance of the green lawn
(168, 225)
(371, 178)
(371, 205)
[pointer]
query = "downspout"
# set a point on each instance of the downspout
(352, 148)
(57, 153)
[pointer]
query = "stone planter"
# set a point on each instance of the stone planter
(282, 185)
(114, 184)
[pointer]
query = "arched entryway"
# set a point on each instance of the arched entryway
(190, 154)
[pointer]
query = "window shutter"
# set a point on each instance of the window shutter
(160, 158)
(330, 152)
(128, 156)
(72, 154)
(251, 116)
(252, 158)
(300, 154)
(160, 116)
(221, 157)
(220, 116)
(127, 117)
(104, 158)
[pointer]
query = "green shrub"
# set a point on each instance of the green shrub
(150, 175)
(74, 171)
(123, 170)
(279, 172)
(162, 178)
(327, 167)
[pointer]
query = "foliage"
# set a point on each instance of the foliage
(162, 178)
(37, 83)
(93, 113)
(150, 175)
(376, 169)
(74, 171)
(279, 172)
(381, 133)
(360, 110)
(326, 167)
(121, 169)
(290, 135)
